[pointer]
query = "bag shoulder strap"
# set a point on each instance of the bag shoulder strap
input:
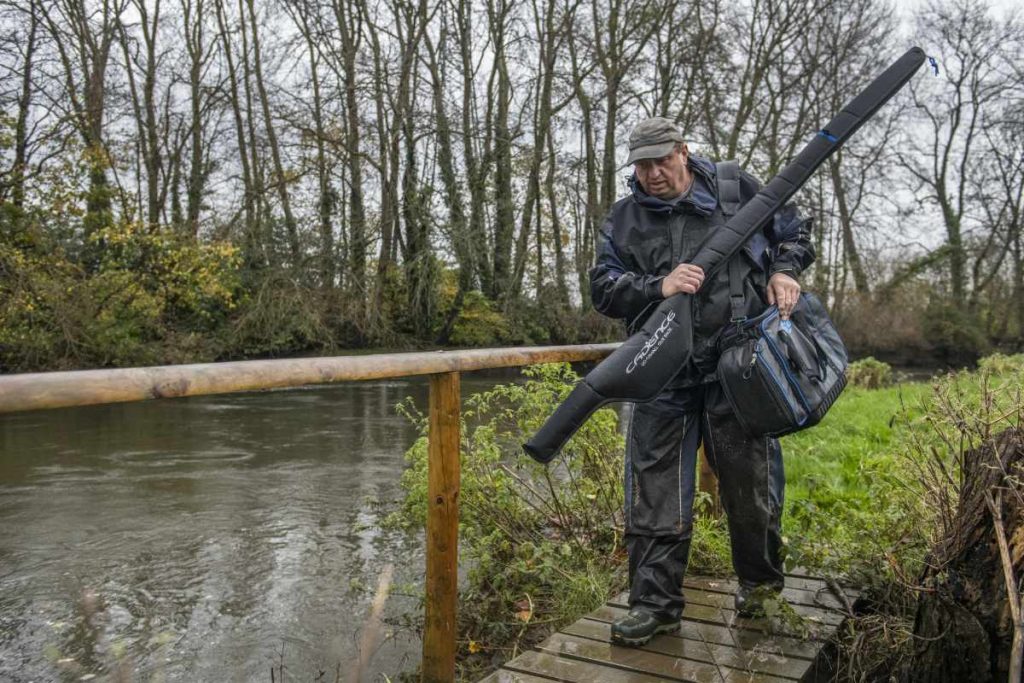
(728, 179)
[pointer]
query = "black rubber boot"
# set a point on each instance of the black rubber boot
(639, 626)
(749, 600)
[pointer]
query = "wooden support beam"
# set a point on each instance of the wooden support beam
(708, 483)
(442, 529)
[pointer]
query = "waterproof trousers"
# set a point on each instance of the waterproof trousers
(661, 457)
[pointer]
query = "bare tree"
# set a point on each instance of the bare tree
(84, 38)
(280, 178)
(971, 46)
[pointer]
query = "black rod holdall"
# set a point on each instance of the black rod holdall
(780, 376)
(646, 362)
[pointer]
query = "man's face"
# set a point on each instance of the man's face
(667, 177)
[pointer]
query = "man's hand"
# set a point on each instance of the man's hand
(686, 278)
(784, 291)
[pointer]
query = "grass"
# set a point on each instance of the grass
(841, 452)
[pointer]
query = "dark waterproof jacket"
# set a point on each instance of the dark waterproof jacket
(644, 238)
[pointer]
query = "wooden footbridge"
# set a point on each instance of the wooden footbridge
(712, 645)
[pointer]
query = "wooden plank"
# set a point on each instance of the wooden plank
(824, 598)
(644, 661)
(724, 601)
(705, 623)
(442, 529)
(713, 643)
(34, 391)
(576, 671)
(709, 482)
(733, 656)
(795, 596)
(803, 572)
(506, 676)
(814, 587)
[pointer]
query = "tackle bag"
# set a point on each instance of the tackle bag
(781, 376)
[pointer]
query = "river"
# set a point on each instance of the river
(208, 538)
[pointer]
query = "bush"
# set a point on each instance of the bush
(147, 290)
(543, 545)
(281, 316)
(869, 373)
(1001, 364)
(956, 337)
(886, 325)
(478, 324)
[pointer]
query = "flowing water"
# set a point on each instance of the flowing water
(209, 538)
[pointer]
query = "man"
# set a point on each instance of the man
(677, 199)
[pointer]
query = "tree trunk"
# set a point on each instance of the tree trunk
(280, 180)
(461, 242)
(860, 280)
(504, 220)
(252, 247)
(325, 202)
(963, 630)
(556, 225)
(350, 31)
(24, 105)
(476, 167)
(197, 171)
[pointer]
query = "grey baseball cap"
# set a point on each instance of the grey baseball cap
(653, 138)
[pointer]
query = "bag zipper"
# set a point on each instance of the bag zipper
(793, 382)
(778, 394)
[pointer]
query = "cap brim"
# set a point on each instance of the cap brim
(650, 152)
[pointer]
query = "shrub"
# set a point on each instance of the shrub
(886, 325)
(543, 544)
(956, 337)
(875, 487)
(478, 324)
(280, 316)
(869, 373)
(147, 289)
(1001, 364)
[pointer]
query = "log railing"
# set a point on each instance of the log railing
(38, 391)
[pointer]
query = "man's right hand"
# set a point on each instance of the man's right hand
(686, 278)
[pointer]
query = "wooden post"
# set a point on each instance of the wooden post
(709, 483)
(442, 529)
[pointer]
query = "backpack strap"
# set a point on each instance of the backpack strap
(728, 178)
(737, 299)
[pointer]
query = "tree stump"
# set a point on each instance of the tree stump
(963, 627)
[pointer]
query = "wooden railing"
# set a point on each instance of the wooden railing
(38, 391)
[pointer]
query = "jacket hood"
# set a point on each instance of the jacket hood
(703, 196)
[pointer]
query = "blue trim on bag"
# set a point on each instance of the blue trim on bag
(782, 392)
(793, 382)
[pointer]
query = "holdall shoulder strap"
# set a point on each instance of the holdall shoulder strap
(728, 180)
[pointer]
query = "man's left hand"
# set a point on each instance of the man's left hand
(783, 290)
